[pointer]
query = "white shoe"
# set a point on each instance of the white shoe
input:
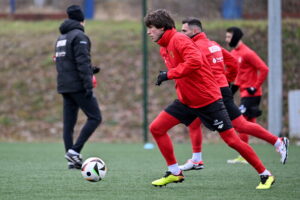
(190, 165)
(283, 150)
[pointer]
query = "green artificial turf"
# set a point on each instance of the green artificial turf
(39, 171)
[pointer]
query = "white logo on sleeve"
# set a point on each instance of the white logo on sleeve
(83, 42)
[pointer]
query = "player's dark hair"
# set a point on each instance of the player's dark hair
(237, 35)
(160, 19)
(74, 12)
(192, 21)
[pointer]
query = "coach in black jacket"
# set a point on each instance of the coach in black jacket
(74, 82)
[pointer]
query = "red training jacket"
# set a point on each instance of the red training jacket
(217, 58)
(194, 81)
(252, 70)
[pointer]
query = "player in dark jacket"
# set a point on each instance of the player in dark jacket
(74, 82)
(198, 96)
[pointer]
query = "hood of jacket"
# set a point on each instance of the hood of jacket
(69, 25)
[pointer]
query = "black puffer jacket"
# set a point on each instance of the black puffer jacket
(73, 59)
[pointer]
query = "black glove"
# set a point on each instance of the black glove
(233, 88)
(162, 76)
(88, 93)
(251, 90)
(96, 69)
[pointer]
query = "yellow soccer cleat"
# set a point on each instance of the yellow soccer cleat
(265, 182)
(239, 159)
(168, 178)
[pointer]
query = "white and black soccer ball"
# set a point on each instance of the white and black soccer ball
(93, 169)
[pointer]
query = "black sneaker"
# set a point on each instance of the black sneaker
(75, 159)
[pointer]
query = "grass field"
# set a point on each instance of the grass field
(38, 171)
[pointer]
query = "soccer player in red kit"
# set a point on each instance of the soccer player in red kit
(198, 96)
(217, 58)
(251, 75)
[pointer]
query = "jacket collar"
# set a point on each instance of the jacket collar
(166, 37)
(240, 46)
(199, 36)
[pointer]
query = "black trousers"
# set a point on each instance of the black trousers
(72, 102)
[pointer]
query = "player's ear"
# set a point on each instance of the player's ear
(195, 31)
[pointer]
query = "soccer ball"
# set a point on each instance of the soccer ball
(93, 169)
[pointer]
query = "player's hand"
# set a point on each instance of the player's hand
(96, 69)
(234, 88)
(162, 76)
(251, 90)
(94, 81)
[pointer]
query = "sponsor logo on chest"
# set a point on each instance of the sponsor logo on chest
(61, 43)
(219, 59)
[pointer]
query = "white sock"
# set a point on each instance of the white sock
(73, 152)
(277, 143)
(266, 172)
(174, 169)
(197, 157)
